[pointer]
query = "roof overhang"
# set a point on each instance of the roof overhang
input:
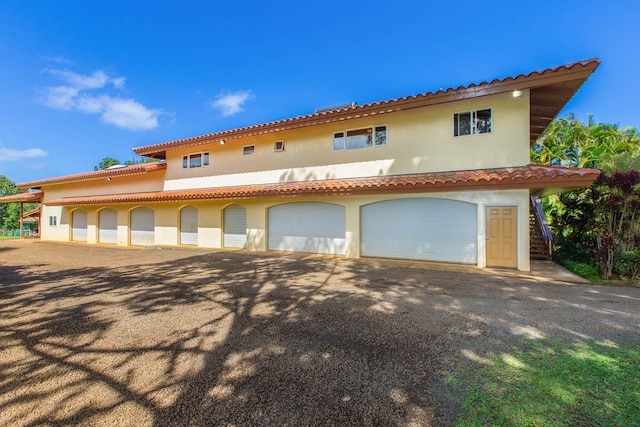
(31, 197)
(537, 179)
(550, 90)
(138, 169)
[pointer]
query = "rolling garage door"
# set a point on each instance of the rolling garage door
(189, 226)
(142, 225)
(307, 227)
(422, 229)
(108, 226)
(235, 227)
(79, 225)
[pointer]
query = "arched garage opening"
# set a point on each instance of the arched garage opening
(313, 227)
(189, 226)
(108, 226)
(235, 227)
(422, 229)
(142, 227)
(79, 225)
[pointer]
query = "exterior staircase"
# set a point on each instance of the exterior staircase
(540, 237)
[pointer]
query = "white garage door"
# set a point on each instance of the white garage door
(142, 224)
(189, 226)
(79, 225)
(235, 227)
(108, 226)
(422, 229)
(307, 227)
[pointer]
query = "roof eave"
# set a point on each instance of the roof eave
(533, 178)
(94, 175)
(576, 72)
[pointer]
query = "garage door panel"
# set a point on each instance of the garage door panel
(235, 227)
(313, 227)
(142, 227)
(108, 226)
(79, 225)
(189, 226)
(422, 229)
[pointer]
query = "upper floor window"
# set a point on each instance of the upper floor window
(196, 160)
(278, 146)
(53, 221)
(472, 122)
(248, 150)
(360, 138)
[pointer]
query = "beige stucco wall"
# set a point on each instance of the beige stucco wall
(419, 140)
(153, 181)
(210, 220)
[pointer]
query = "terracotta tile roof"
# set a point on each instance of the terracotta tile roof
(88, 176)
(33, 197)
(563, 80)
(532, 177)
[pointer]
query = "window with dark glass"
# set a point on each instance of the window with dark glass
(195, 160)
(360, 138)
(472, 122)
(248, 150)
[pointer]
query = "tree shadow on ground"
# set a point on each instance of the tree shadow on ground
(184, 338)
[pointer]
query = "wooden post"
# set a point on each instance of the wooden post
(21, 213)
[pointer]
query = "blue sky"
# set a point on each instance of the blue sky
(80, 81)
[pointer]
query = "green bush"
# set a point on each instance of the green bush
(588, 271)
(627, 264)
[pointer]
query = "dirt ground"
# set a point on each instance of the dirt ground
(106, 336)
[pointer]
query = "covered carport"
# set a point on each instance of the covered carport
(22, 198)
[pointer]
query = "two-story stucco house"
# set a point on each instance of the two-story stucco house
(442, 176)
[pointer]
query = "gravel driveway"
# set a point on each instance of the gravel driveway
(104, 336)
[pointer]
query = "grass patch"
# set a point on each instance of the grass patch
(551, 383)
(9, 237)
(592, 274)
(587, 271)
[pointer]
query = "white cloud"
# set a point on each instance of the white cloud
(129, 114)
(13, 155)
(58, 59)
(231, 103)
(87, 94)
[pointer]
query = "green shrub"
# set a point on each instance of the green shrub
(627, 264)
(588, 271)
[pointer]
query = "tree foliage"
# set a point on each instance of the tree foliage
(107, 162)
(569, 142)
(7, 188)
(598, 225)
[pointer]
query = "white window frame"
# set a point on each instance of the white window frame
(205, 160)
(248, 150)
(53, 221)
(473, 122)
(373, 132)
(280, 148)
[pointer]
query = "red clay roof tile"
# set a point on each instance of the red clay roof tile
(34, 197)
(574, 71)
(138, 169)
(533, 177)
